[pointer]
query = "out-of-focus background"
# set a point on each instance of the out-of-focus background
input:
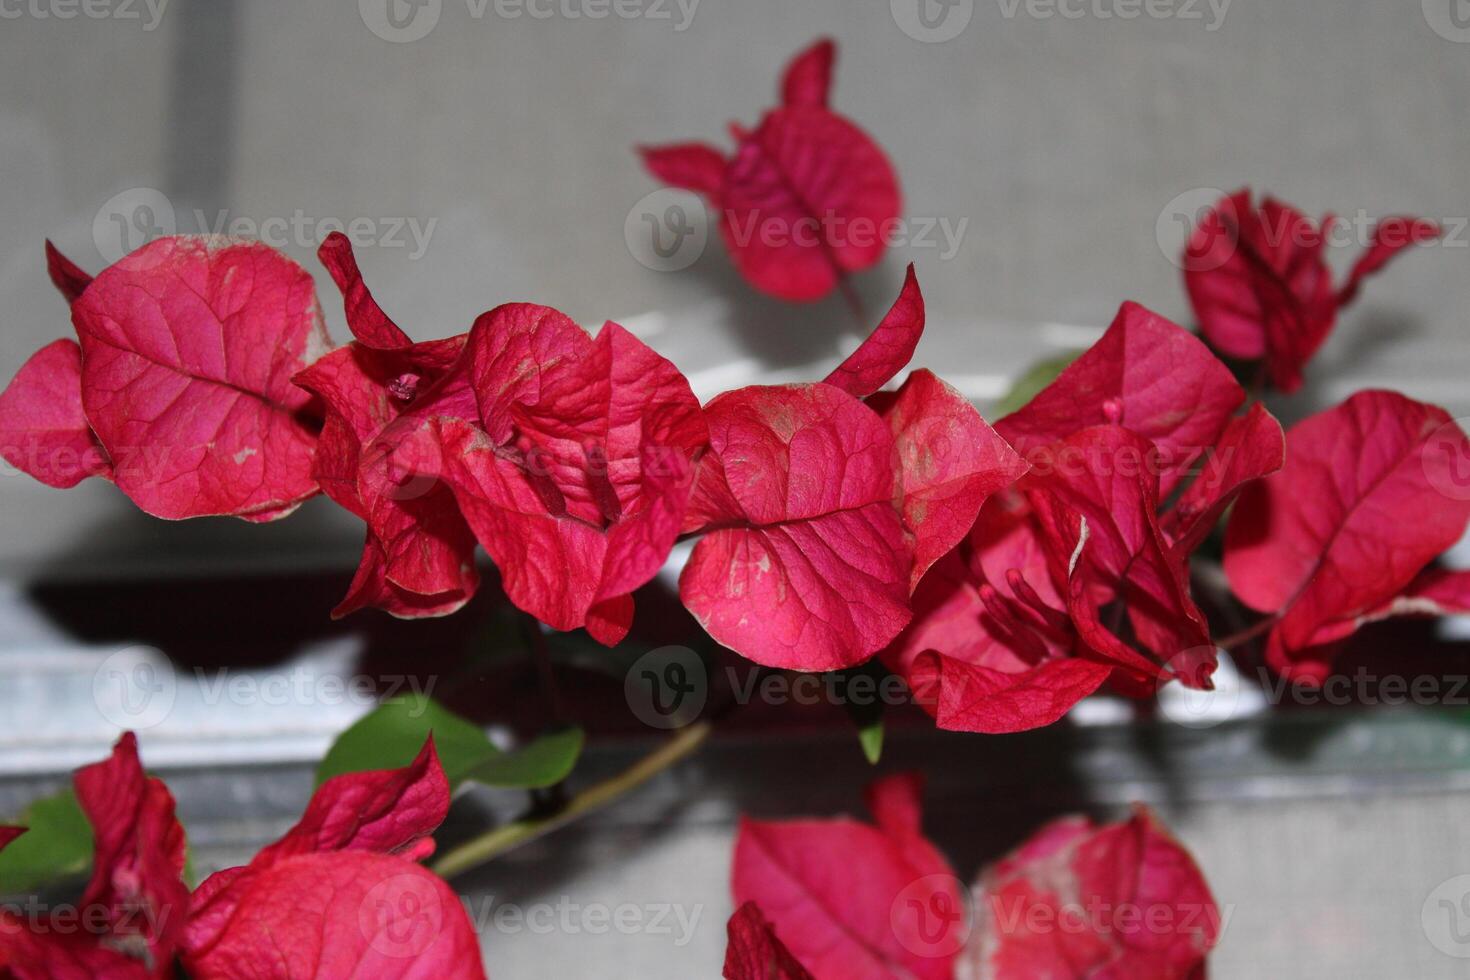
(1051, 153)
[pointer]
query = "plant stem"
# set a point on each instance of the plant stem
(494, 843)
(1246, 635)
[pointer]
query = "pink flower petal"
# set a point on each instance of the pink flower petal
(696, 167)
(755, 952)
(814, 572)
(43, 430)
(1325, 540)
(851, 900)
(342, 914)
(68, 277)
(888, 348)
(188, 350)
(808, 79)
(1251, 447)
(807, 199)
(1145, 374)
(950, 462)
(1120, 902)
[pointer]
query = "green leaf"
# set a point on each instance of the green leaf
(545, 762)
(864, 705)
(870, 737)
(58, 845)
(392, 735)
(1029, 385)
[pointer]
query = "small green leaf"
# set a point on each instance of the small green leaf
(545, 762)
(871, 738)
(1029, 385)
(864, 704)
(392, 735)
(58, 845)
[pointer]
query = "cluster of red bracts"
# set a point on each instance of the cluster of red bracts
(836, 898)
(1005, 572)
(341, 894)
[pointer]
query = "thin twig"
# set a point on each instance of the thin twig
(1240, 639)
(494, 843)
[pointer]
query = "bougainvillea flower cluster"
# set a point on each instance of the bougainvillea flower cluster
(837, 899)
(1004, 572)
(1372, 492)
(1261, 286)
(806, 199)
(1079, 574)
(341, 894)
(820, 511)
